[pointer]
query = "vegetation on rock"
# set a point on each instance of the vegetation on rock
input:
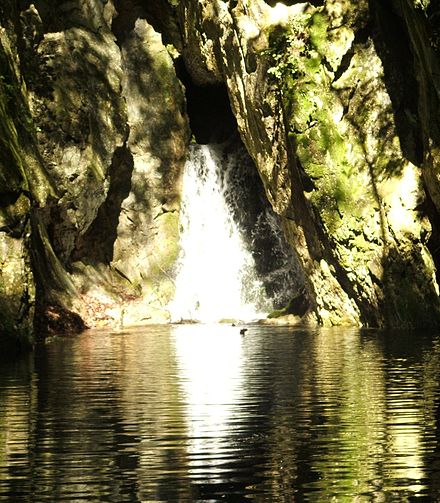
(94, 134)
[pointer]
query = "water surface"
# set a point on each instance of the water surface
(201, 413)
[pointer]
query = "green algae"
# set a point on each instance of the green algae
(343, 133)
(12, 174)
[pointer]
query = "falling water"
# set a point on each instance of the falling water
(217, 278)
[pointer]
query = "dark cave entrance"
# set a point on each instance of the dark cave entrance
(212, 122)
(210, 115)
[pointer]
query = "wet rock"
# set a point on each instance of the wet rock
(94, 137)
(317, 113)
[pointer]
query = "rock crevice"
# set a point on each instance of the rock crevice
(336, 103)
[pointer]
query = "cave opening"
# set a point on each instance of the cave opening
(214, 125)
(210, 115)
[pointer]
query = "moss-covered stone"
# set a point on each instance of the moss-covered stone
(348, 146)
(17, 292)
(93, 138)
(313, 106)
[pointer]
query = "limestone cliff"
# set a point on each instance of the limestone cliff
(345, 145)
(336, 102)
(96, 138)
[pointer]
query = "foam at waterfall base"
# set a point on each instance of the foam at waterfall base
(217, 274)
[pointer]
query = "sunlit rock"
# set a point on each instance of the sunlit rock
(311, 98)
(336, 103)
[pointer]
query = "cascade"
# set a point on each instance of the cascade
(216, 278)
(220, 272)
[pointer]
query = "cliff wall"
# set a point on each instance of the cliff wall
(341, 122)
(95, 137)
(335, 101)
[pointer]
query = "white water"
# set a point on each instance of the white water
(216, 278)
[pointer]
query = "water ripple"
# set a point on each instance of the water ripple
(202, 414)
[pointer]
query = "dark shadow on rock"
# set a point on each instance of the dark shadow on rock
(96, 245)
(393, 46)
(409, 299)
(433, 239)
(54, 319)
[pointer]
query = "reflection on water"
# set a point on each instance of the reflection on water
(210, 383)
(201, 413)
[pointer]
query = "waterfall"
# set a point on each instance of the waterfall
(217, 276)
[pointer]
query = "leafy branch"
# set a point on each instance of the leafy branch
(286, 47)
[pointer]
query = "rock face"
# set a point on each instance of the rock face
(339, 150)
(335, 101)
(22, 184)
(91, 173)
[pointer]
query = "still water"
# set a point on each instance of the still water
(201, 413)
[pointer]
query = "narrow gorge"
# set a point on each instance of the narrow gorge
(316, 123)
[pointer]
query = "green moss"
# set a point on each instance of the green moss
(325, 150)
(346, 141)
(285, 46)
(167, 250)
(12, 174)
(318, 32)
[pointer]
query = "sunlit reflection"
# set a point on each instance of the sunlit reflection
(209, 359)
(202, 413)
(350, 383)
(405, 430)
(368, 414)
